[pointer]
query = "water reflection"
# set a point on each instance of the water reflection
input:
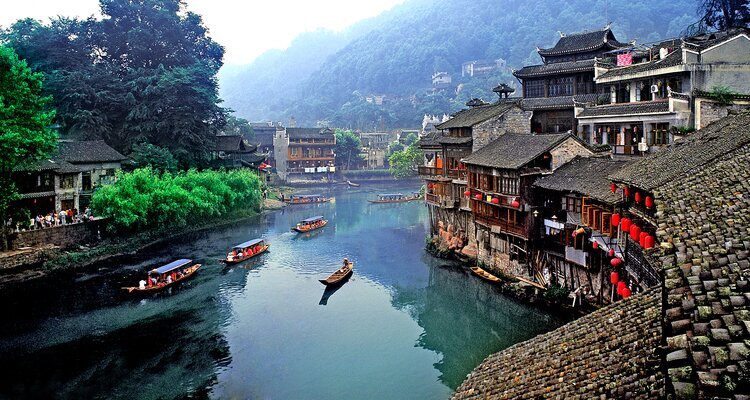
(331, 289)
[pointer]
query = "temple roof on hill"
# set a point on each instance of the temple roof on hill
(514, 150)
(555, 68)
(586, 176)
(475, 115)
(703, 147)
(583, 42)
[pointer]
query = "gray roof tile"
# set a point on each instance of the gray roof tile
(514, 150)
(586, 176)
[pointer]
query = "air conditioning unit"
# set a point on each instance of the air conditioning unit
(654, 89)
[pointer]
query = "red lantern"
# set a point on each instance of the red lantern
(595, 245)
(614, 188)
(625, 293)
(635, 232)
(626, 224)
(478, 197)
(515, 203)
(495, 200)
(430, 185)
(614, 278)
(641, 239)
(615, 262)
(615, 219)
(467, 193)
(626, 191)
(649, 202)
(620, 287)
(611, 252)
(650, 241)
(638, 197)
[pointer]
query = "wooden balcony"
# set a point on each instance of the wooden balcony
(429, 171)
(459, 174)
(440, 201)
(504, 226)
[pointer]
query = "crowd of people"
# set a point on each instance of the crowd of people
(57, 218)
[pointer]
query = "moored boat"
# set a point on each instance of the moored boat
(339, 275)
(484, 274)
(310, 224)
(352, 184)
(165, 276)
(306, 199)
(395, 198)
(245, 251)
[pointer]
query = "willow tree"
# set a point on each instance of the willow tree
(25, 136)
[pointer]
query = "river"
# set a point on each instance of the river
(405, 326)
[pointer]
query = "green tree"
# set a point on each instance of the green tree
(158, 158)
(239, 126)
(410, 139)
(348, 147)
(724, 14)
(24, 121)
(403, 164)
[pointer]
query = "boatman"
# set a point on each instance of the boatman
(346, 262)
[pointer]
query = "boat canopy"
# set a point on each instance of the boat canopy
(311, 220)
(247, 244)
(171, 266)
(392, 195)
(306, 195)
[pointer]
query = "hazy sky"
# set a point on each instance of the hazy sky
(245, 28)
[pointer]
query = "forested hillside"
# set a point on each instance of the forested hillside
(398, 52)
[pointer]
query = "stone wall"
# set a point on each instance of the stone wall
(711, 110)
(567, 151)
(63, 236)
(515, 120)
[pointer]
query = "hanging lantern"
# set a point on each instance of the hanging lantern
(638, 197)
(611, 252)
(635, 232)
(595, 245)
(615, 220)
(615, 262)
(649, 241)
(478, 197)
(515, 203)
(613, 187)
(614, 277)
(430, 185)
(642, 238)
(495, 200)
(649, 202)
(625, 293)
(467, 193)
(625, 224)
(626, 191)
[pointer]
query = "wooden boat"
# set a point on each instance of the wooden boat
(395, 198)
(352, 184)
(246, 251)
(484, 274)
(340, 275)
(178, 271)
(306, 199)
(310, 224)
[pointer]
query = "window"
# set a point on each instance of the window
(659, 134)
(66, 182)
(644, 91)
(509, 185)
(534, 88)
(571, 204)
(294, 152)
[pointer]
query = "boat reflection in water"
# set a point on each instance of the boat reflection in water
(331, 289)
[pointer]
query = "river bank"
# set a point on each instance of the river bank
(46, 261)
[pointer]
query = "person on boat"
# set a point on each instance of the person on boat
(142, 284)
(179, 275)
(169, 279)
(346, 263)
(154, 281)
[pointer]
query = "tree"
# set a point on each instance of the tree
(403, 164)
(25, 136)
(348, 146)
(410, 139)
(724, 14)
(158, 158)
(239, 126)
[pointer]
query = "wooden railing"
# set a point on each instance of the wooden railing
(457, 174)
(428, 171)
(432, 199)
(504, 226)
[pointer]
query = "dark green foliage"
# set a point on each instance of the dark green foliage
(239, 126)
(400, 50)
(145, 199)
(348, 147)
(404, 163)
(158, 158)
(723, 14)
(557, 293)
(25, 118)
(722, 94)
(145, 72)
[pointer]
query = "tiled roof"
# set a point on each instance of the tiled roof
(641, 107)
(454, 140)
(706, 40)
(472, 116)
(704, 220)
(606, 354)
(264, 138)
(582, 42)
(674, 58)
(59, 166)
(87, 151)
(307, 133)
(698, 149)
(514, 150)
(555, 68)
(585, 176)
(546, 103)
(429, 140)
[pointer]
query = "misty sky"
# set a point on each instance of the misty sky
(245, 28)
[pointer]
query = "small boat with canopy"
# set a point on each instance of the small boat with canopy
(340, 275)
(245, 251)
(395, 198)
(165, 276)
(310, 224)
(306, 199)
